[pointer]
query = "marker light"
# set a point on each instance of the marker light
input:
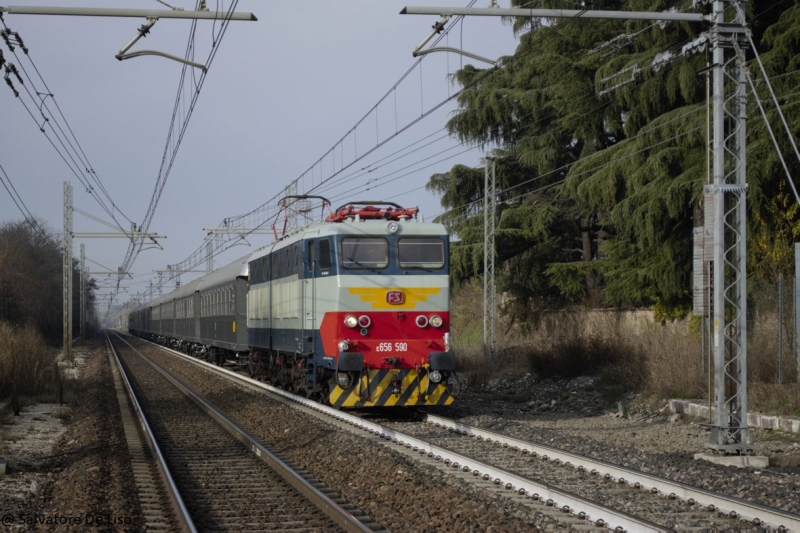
(350, 321)
(422, 321)
(436, 321)
(364, 321)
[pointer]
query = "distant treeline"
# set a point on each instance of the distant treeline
(31, 281)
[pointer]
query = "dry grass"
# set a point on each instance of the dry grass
(27, 367)
(627, 350)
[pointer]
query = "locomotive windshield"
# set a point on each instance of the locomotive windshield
(365, 252)
(420, 252)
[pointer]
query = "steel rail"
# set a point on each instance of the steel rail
(727, 504)
(330, 508)
(567, 501)
(179, 508)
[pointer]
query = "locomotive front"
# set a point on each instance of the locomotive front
(390, 329)
(354, 310)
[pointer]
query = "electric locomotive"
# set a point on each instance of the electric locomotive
(354, 310)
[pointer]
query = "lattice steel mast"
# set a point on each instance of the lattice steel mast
(728, 194)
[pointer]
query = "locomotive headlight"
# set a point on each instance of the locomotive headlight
(344, 346)
(392, 227)
(350, 321)
(436, 321)
(344, 379)
(364, 321)
(422, 321)
(435, 376)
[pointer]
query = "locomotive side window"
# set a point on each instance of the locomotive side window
(325, 262)
(365, 252)
(420, 252)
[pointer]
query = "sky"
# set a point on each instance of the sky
(280, 93)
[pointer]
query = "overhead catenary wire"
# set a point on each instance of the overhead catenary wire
(40, 100)
(328, 187)
(201, 254)
(174, 139)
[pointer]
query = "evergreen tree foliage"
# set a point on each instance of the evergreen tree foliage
(31, 285)
(599, 128)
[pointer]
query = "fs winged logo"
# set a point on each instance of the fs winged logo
(395, 297)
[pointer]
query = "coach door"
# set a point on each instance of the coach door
(308, 284)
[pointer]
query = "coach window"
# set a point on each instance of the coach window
(365, 252)
(420, 252)
(325, 261)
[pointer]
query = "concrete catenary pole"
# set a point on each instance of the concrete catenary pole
(67, 272)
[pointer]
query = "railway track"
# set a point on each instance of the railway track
(522, 471)
(229, 480)
(678, 505)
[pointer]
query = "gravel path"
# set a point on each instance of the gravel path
(87, 474)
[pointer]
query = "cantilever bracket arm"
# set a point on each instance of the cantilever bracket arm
(418, 53)
(438, 28)
(143, 31)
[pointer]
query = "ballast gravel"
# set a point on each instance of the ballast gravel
(569, 414)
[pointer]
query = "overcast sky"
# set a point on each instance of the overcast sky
(279, 94)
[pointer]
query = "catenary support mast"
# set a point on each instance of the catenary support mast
(727, 195)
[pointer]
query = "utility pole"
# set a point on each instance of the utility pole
(489, 285)
(727, 197)
(67, 273)
(83, 293)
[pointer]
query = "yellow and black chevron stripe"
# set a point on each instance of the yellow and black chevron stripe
(395, 387)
